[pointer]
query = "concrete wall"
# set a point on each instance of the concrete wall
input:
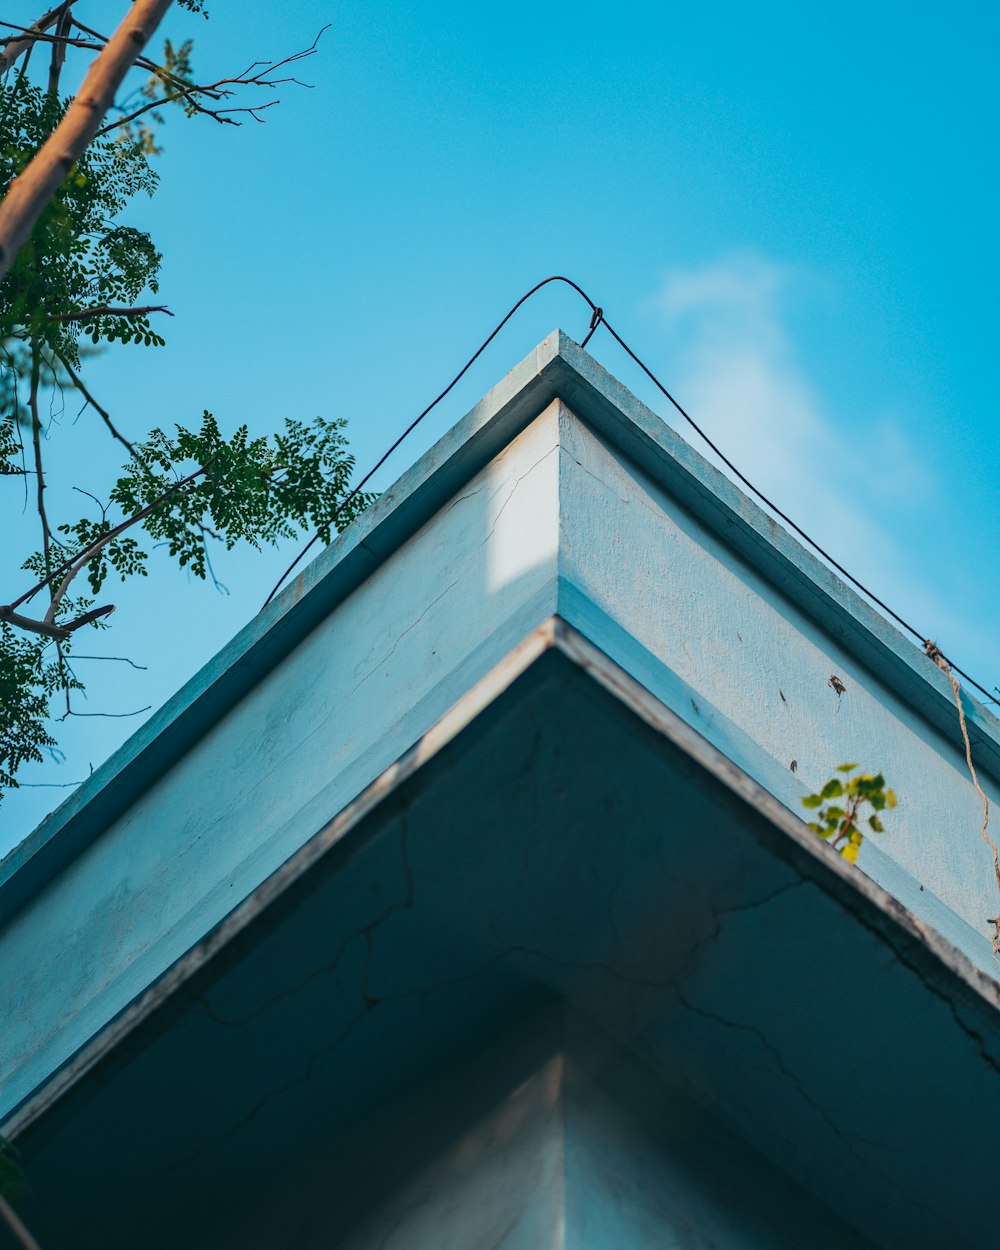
(552, 1139)
(361, 689)
(566, 520)
(668, 601)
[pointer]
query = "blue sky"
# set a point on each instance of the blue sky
(788, 212)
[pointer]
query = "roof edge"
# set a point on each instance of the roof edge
(556, 368)
(339, 569)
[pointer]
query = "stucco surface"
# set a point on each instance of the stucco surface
(359, 690)
(670, 602)
(346, 1061)
(559, 494)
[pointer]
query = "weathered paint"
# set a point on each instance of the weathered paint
(301, 1068)
(663, 596)
(307, 738)
(559, 493)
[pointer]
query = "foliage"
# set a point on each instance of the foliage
(71, 290)
(80, 256)
(836, 823)
(182, 490)
(170, 83)
(30, 673)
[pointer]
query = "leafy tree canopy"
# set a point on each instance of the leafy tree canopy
(77, 286)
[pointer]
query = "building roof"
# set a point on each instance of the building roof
(525, 731)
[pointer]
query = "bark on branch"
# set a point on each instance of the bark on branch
(48, 629)
(106, 310)
(31, 191)
(47, 625)
(18, 45)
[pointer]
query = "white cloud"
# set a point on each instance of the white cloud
(740, 377)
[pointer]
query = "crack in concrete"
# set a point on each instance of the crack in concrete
(838, 1132)
(399, 638)
(672, 985)
(462, 498)
(718, 913)
(368, 1004)
(906, 962)
(516, 483)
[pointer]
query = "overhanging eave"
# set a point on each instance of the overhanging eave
(558, 833)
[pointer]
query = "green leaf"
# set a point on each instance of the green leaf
(846, 768)
(812, 800)
(832, 789)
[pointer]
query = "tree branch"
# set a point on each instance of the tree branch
(30, 625)
(36, 443)
(106, 310)
(83, 559)
(77, 381)
(29, 193)
(220, 89)
(58, 55)
(18, 45)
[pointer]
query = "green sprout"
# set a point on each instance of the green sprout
(840, 824)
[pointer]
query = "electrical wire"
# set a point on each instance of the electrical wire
(598, 319)
(430, 408)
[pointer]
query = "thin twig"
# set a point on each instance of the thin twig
(106, 310)
(108, 715)
(77, 381)
(63, 669)
(221, 89)
(935, 654)
(103, 507)
(121, 659)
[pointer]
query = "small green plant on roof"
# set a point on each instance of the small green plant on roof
(840, 824)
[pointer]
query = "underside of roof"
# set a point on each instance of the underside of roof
(559, 837)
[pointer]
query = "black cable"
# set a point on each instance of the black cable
(597, 319)
(784, 516)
